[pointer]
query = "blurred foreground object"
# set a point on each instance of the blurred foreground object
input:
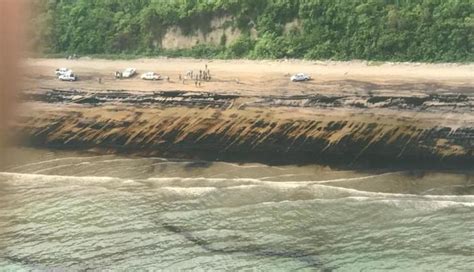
(11, 44)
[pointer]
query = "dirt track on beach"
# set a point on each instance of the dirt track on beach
(256, 77)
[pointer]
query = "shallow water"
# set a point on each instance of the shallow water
(77, 211)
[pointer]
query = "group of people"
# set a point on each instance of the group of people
(203, 75)
(72, 57)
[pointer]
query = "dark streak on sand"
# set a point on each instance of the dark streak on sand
(387, 131)
(453, 102)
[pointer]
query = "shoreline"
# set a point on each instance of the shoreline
(375, 164)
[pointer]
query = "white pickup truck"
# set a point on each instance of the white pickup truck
(68, 77)
(300, 77)
(62, 71)
(150, 76)
(129, 72)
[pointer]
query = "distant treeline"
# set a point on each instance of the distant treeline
(397, 30)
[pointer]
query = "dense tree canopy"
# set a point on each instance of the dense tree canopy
(408, 30)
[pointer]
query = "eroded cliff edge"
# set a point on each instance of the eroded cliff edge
(352, 130)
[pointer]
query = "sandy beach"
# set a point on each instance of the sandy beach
(249, 76)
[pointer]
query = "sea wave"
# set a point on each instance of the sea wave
(231, 188)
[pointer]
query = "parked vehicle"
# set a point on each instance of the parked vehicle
(150, 76)
(68, 77)
(300, 77)
(62, 71)
(129, 72)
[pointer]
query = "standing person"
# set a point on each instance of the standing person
(100, 80)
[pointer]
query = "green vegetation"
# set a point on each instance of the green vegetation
(399, 30)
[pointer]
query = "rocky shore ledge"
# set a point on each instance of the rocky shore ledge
(346, 129)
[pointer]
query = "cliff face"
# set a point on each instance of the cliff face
(219, 31)
(343, 130)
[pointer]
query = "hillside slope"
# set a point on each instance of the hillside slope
(420, 30)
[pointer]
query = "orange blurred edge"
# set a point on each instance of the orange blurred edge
(12, 31)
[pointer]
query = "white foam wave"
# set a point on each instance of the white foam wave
(426, 204)
(28, 178)
(250, 165)
(59, 167)
(203, 185)
(281, 176)
(265, 180)
(23, 166)
(360, 178)
(194, 191)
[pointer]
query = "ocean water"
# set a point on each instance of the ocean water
(83, 211)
